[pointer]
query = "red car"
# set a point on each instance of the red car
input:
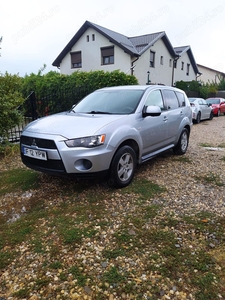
(218, 105)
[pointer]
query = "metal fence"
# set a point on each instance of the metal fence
(48, 103)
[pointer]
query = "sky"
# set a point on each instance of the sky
(35, 32)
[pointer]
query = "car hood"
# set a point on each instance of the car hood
(71, 125)
(215, 105)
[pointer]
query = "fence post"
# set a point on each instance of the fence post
(33, 106)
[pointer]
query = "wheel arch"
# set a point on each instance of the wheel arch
(129, 142)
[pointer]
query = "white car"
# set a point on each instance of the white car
(109, 132)
(201, 110)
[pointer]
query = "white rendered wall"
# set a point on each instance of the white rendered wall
(91, 55)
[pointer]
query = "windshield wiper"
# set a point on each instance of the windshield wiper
(99, 112)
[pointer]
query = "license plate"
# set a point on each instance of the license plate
(34, 153)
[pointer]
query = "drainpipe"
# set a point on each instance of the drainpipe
(175, 60)
(133, 66)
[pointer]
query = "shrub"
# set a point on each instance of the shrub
(10, 100)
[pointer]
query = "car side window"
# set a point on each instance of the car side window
(155, 99)
(204, 102)
(170, 99)
(181, 98)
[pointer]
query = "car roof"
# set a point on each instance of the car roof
(140, 87)
(218, 98)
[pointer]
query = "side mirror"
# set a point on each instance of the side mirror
(152, 111)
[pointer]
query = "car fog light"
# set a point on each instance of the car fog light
(83, 164)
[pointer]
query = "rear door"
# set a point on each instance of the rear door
(174, 114)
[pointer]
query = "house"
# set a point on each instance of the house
(210, 75)
(151, 57)
(186, 67)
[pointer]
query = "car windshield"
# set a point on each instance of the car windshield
(109, 102)
(213, 101)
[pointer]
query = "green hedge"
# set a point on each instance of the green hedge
(53, 81)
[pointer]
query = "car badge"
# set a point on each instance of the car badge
(34, 143)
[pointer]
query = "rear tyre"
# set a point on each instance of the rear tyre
(182, 145)
(123, 167)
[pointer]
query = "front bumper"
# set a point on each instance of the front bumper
(62, 160)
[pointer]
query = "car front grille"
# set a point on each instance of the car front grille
(40, 143)
(49, 165)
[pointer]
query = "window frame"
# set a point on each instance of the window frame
(152, 59)
(76, 59)
(107, 55)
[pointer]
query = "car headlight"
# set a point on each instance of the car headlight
(87, 142)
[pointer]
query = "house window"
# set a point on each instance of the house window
(170, 63)
(93, 37)
(152, 59)
(188, 69)
(182, 65)
(76, 59)
(87, 38)
(107, 55)
(161, 60)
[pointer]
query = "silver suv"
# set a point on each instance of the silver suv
(109, 133)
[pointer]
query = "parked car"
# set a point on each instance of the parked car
(201, 110)
(218, 105)
(109, 133)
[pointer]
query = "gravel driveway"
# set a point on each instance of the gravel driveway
(194, 182)
(187, 185)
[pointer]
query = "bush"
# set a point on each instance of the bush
(53, 81)
(10, 100)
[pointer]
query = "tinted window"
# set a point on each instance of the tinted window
(181, 98)
(170, 99)
(155, 99)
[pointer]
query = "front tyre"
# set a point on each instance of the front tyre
(123, 167)
(198, 118)
(211, 115)
(182, 144)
